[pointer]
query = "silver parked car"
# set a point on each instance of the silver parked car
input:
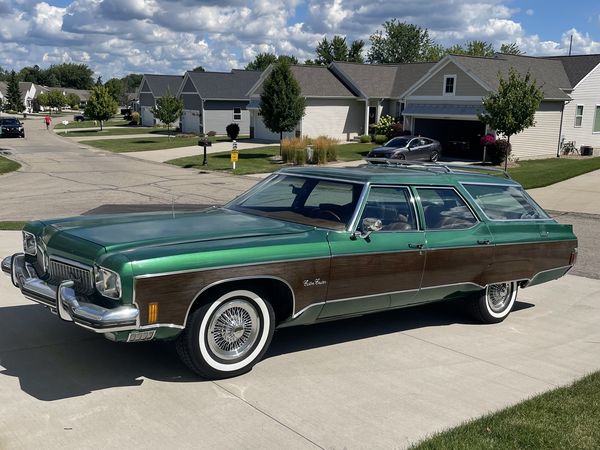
(407, 147)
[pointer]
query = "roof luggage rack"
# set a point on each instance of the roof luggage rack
(436, 166)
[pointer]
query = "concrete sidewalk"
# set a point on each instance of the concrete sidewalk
(579, 194)
(378, 382)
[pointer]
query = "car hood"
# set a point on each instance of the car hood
(129, 231)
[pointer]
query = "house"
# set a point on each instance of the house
(152, 88)
(332, 109)
(83, 94)
(213, 100)
(27, 94)
(581, 117)
(343, 99)
(444, 104)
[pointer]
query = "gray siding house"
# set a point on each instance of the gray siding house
(152, 88)
(213, 100)
(444, 104)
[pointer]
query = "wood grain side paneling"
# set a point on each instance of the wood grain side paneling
(174, 293)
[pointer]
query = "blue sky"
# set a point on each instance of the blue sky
(115, 37)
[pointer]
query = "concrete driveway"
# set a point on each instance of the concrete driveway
(62, 178)
(379, 381)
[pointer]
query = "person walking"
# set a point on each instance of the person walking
(48, 121)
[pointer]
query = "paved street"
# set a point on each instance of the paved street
(380, 381)
(61, 178)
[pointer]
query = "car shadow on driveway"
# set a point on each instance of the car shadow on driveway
(54, 360)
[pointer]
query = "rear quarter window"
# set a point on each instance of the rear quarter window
(505, 202)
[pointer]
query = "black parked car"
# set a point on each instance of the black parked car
(407, 147)
(11, 126)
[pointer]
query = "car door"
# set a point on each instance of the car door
(460, 247)
(383, 269)
(413, 149)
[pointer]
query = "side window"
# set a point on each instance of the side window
(444, 209)
(414, 143)
(505, 202)
(392, 205)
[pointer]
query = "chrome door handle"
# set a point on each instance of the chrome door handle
(419, 246)
(483, 242)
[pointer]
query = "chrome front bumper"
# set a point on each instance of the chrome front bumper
(64, 301)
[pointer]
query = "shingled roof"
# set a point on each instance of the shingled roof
(159, 84)
(224, 85)
(577, 66)
(549, 74)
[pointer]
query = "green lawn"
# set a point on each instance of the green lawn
(12, 226)
(544, 172)
(565, 418)
(7, 165)
(114, 122)
(112, 131)
(250, 161)
(352, 152)
(150, 143)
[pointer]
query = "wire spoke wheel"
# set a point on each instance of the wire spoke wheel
(499, 296)
(233, 330)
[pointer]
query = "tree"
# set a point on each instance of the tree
(198, 69)
(132, 81)
(42, 99)
(100, 106)
(73, 100)
(281, 105)
(116, 89)
(511, 49)
(337, 50)
(69, 75)
(56, 99)
(13, 94)
(512, 109)
(233, 130)
(264, 60)
(168, 109)
(473, 48)
(399, 42)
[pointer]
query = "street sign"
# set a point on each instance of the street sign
(234, 155)
(234, 145)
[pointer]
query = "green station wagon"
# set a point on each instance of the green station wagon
(305, 245)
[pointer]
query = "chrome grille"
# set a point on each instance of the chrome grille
(82, 276)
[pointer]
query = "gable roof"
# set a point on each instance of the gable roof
(224, 85)
(319, 81)
(577, 66)
(158, 84)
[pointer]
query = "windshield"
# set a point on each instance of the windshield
(309, 201)
(10, 122)
(397, 142)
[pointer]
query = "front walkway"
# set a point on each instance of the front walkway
(579, 194)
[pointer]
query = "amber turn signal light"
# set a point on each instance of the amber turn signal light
(152, 312)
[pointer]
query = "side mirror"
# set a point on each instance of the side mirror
(369, 224)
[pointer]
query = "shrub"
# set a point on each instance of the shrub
(396, 129)
(385, 125)
(233, 130)
(381, 138)
(327, 146)
(135, 118)
(498, 151)
(365, 139)
(299, 156)
(211, 133)
(289, 146)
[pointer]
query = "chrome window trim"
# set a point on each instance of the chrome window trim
(365, 196)
(462, 197)
(525, 194)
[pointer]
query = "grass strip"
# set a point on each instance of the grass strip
(8, 165)
(564, 418)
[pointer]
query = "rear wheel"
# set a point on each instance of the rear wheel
(495, 302)
(227, 336)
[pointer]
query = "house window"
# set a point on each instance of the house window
(449, 84)
(597, 120)
(578, 115)
(237, 114)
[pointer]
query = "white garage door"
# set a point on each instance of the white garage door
(340, 119)
(261, 131)
(191, 122)
(147, 117)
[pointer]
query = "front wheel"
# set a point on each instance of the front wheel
(226, 337)
(434, 156)
(495, 302)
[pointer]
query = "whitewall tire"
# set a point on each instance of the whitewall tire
(495, 302)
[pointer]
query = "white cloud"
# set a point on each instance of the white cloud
(115, 37)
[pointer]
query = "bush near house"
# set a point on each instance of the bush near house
(498, 151)
(380, 139)
(135, 118)
(309, 151)
(211, 133)
(365, 139)
(388, 126)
